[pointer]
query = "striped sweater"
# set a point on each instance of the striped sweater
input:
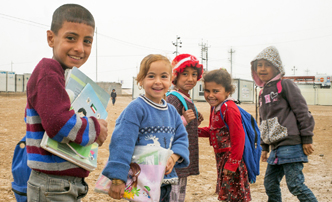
(47, 110)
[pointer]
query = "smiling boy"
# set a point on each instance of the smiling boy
(48, 109)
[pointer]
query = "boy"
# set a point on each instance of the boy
(113, 96)
(53, 178)
(186, 72)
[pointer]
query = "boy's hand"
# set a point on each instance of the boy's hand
(308, 149)
(171, 163)
(264, 156)
(103, 132)
(189, 115)
(200, 118)
(116, 191)
(228, 172)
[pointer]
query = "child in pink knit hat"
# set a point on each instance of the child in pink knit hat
(186, 72)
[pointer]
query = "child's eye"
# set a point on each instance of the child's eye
(215, 91)
(150, 76)
(164, 76)
(194, 74)
(87, 41)
(184, 74)
(70, 38)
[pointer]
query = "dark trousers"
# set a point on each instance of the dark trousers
(165, 193)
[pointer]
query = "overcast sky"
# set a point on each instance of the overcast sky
(127, 31)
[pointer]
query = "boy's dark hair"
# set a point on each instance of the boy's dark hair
(221, 77)
(82, 110)
(71, 13)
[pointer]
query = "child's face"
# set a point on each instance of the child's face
(187, 79)
(72, 45)
(80, 114)
(214, 93)
(265, 70)
(157, 81)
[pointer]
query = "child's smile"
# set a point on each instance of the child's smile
(157, 81)
(72, 44)
(214, 93)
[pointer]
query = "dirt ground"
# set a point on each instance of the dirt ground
(317, 172)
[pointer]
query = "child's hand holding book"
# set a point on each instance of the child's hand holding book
(103, 132)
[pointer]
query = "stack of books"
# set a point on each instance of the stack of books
(87, 99)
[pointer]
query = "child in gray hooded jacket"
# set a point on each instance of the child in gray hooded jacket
(285, 124)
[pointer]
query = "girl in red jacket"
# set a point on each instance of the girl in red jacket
(228, 144)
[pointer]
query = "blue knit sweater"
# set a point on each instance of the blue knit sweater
(144, 122)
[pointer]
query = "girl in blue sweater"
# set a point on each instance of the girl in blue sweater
(148, 120)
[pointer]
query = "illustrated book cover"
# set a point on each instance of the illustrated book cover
(87, 104)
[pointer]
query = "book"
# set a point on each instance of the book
(83, 156)
(145, 176)
(77, 80)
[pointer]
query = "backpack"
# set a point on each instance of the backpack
(182, 100)
(252, 149)
(21, 171)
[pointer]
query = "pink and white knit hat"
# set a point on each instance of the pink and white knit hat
(182, 61)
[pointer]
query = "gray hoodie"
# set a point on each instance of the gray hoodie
(284, 115)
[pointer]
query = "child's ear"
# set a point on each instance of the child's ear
(50, 38)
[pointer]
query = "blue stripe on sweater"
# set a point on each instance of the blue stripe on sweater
(35, 135)
(45, 158)
(31, 112)
(65, 130)
(85, 138)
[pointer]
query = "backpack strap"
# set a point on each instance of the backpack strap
(182, 100)
(222, 117)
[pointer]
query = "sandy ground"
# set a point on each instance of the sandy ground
(317, 172)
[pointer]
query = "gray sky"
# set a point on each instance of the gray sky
(129, 30)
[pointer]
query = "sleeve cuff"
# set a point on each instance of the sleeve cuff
(306, 139)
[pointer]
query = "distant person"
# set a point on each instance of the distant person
(48, 109)
(227, 142)
(148, 120)
(113, 96)
(186, 72)
(286, 126)
(81, 112)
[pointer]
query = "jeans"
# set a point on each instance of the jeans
(294, 180)
(44, 187)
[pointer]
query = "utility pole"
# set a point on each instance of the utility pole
(96, 57)
(231, 60)
(307, 70)
(294, 69)
(177, 44)
(204, 52)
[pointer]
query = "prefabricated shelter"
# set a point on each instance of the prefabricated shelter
(244, 91)
(136, 90)
(316, 90)
(26, 77)
(109, 86)
(197, 93)
(3, 81)
(19, 87)
(10, 81)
